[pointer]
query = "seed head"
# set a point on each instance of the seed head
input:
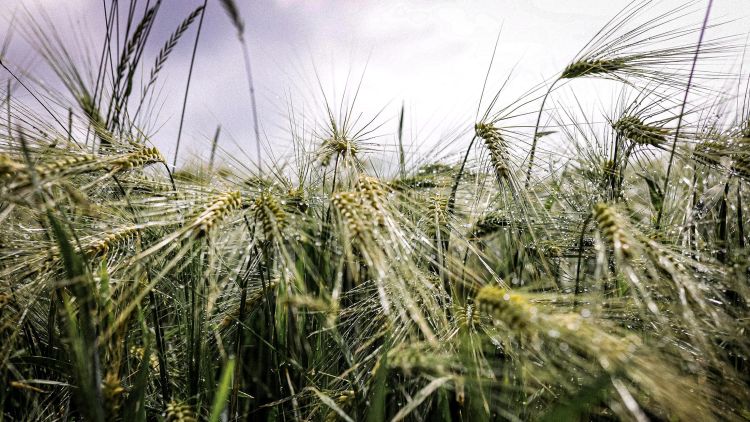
(139, 158)
(373, 194)
(633, 129)
(502, 305)
(9, 167)
(337, 146)
(488, 225)
(610, 224)
(66, 166)
(270, 214)
(217, 209)
(296, 201)
(102, 245)
(583, 68)
(741, 156)
(180, 412)
(497, 147)
(710, 152)
(112, 391)
(349, 207)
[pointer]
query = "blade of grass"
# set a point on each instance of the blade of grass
(220, 398)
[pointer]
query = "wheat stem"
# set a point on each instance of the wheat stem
(187, 86)
(665, 189)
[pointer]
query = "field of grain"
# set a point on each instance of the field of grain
(565, 264)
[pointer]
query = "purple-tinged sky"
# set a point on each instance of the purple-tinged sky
(430, 54)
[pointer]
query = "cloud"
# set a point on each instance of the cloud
(431, 53)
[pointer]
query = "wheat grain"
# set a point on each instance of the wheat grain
(112, 394)
(103, 245)
(503, 305)
(270, 214)
(498, 149)
(633, 129)
(348, 205)
(220, 207)
(610, 223)
(180, 412)
(586, 67)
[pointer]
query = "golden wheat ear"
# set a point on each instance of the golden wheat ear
(180, 412)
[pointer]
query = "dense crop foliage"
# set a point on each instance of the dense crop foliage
(586, 267)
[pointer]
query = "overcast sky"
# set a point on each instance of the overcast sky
(430, 54)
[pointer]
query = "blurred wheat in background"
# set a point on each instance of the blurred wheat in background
(546, 261)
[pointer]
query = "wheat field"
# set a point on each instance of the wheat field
(563, 264)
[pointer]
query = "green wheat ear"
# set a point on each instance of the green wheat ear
(218, 208)
(296, 200)
(635, 130)
(10, 167)
(741, 155)
(354, 216)
(503, 305)
(586, 67)
(337, 146)
(103, 244)
(489, 225)
(180, 412)
(498, 148)
(610, 224)
(270, 214)
(112, 394)
(230, 7)
(710, 152)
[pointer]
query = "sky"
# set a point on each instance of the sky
(429, 55)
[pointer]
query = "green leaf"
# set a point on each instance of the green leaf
(135, 406)
(579, 405)
(420, 397)
(80, 326)
(332, 404)
(220, 399)
(376, 409)
(654, 191)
